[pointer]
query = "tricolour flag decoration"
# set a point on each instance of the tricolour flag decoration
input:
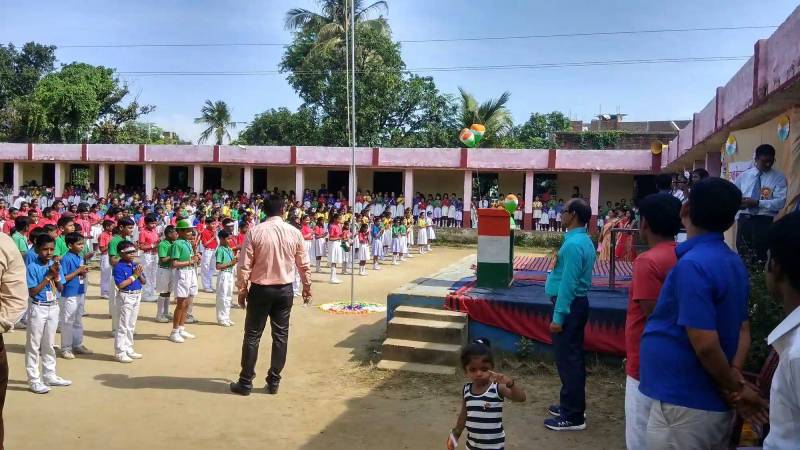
(495, 249)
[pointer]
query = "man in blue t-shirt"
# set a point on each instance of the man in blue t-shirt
(698, 336)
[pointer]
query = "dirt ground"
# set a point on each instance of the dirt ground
(331, 397)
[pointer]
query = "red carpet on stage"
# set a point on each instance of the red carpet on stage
(526, 310)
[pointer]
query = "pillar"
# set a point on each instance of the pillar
(17, 179)
(197, 181)
(248, 180)
(351, 186)
(408, 187)
(149, 181)
(527, 216)
(299, 183)
(594, 200)
(102, 183)
(467, 199)
(714, 163)
(60, 179)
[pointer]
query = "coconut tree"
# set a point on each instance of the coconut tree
(493, 114)
(332, 22)
(217, 116)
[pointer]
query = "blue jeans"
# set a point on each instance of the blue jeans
(571, 361)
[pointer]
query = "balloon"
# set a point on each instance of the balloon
(467, 137)
(511, 203)
(478, 130)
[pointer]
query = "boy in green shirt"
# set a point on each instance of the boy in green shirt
(66, 225)
(184, 261)
(21, 226)
(165, 275)
(225, 263)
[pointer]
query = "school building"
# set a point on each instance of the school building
(600, 175)
(760, 104)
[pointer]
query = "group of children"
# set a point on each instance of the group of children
(348, 238)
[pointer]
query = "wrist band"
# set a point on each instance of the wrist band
(132, 278)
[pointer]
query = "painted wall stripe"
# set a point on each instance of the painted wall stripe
(493, 249)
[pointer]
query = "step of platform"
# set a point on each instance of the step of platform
(420, 352)
(416, 367)
(414, 312)
(424, 330)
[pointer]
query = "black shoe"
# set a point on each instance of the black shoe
(271, 388)
(237, 388)
(554, 410)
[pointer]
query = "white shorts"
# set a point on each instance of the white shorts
(164, 280)
(185, 283)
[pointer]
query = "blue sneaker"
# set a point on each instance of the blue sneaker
(555, 411)
(562, 424)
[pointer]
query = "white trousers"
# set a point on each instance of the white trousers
(128, 306)
(71, 321)
(113, 307)
(150, 263)
(207, 268)
(105, 275)
(224, 295)
(39, 340)
(162, 307)
(637, 412)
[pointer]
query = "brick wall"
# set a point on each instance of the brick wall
(627, 141)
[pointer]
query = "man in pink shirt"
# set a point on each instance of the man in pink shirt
(271, 253)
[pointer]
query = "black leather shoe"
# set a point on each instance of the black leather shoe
(271, 388)
(237, 388)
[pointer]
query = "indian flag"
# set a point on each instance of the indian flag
(495, 249)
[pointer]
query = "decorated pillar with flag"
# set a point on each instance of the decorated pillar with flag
(495, 249)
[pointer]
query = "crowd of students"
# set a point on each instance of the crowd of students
(176, 242)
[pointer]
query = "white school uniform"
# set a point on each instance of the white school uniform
(105, 275)
(71, 320)
(437, 212)
(445, 211)
(185, 282)
(128, 306)
(431, 233)
(164, 283)
(363, 250)
(40, 336)
(320, 247)
(422, 236)
(224, 294)
(335, 252)
(377, 246)
(208, 267)
(150, 264)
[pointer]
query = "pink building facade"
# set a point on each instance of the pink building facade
(420, 168)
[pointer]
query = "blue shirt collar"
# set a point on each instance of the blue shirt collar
(689, 244)
(574, 231)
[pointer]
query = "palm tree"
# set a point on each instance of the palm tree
(331, 23)
(218, 118)
(493, 114)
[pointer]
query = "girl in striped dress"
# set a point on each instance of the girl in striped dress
(483, 397)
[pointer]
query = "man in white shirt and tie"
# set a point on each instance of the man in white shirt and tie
(763, 196)
(783, 283)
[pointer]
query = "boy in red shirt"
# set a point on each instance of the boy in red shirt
(105, 263)
(148, 244)
(208, 238)
(660, 222)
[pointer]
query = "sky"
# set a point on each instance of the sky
(643, 92)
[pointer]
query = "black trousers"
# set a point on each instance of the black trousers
(751, 238)
(272, 302)
(571, 361)
(3, 385)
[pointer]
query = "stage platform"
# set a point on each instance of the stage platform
(522, 310)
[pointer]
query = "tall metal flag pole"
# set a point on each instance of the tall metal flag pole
(352, 192)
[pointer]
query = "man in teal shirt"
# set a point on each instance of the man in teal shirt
(567, 286)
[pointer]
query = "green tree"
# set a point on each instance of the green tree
(67, 106)
(217, 117)
(493, 114)
(330, 26)
(539, 131)
(21, 69)
(135, 132)
(282, 127)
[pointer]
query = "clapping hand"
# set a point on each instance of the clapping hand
(55, 269)
(138, 270)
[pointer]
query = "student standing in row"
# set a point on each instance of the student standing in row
(71, 308)
(208, 238)
(129, 279)
(105, 263)
(165, 274)
(148, 244)
(123, 231)
(184, 261)
(45, 281)
(225, 261)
